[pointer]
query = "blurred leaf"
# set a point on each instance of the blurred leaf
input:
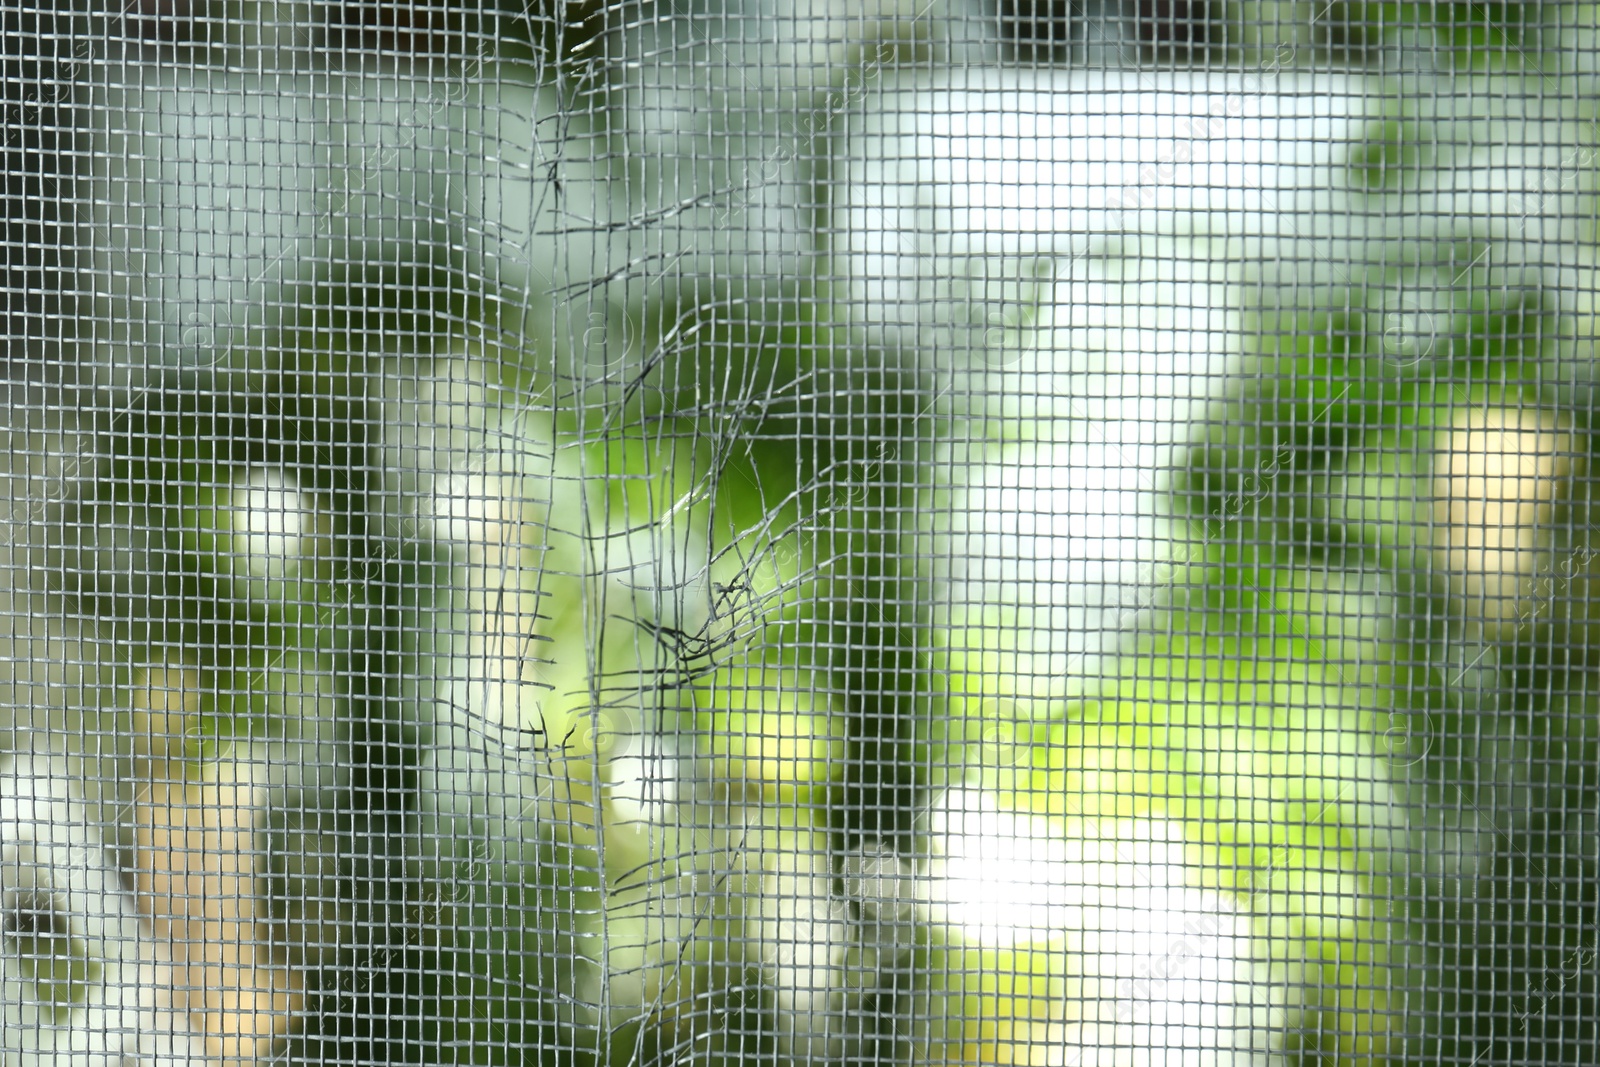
(1393, 154)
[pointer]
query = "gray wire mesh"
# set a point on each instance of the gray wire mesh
(1001, 532)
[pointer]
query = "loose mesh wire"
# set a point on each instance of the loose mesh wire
(995, 532)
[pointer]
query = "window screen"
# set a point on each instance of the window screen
(883, 532)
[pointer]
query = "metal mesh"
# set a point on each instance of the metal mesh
(1001, 532)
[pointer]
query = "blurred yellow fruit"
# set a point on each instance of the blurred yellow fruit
(1500, 476)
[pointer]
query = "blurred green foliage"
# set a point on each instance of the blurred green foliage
(1471, 35)
(1393, 152)
(57, 964)
(1329, 465)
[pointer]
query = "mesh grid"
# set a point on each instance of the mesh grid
(996, 532)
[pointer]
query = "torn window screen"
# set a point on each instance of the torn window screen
(986, 533)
